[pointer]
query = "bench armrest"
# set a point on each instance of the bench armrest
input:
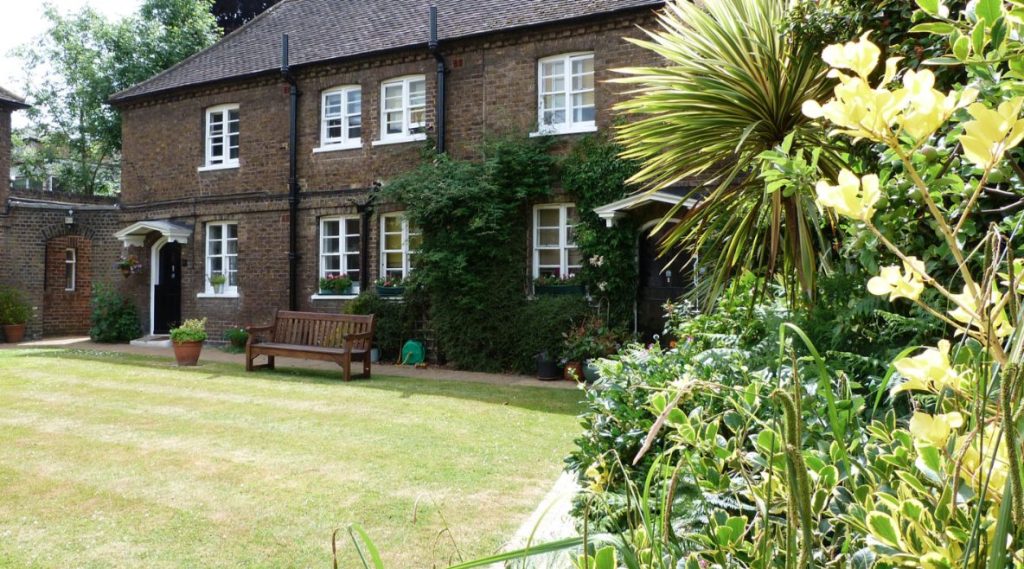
(253, 330)
(349, 338)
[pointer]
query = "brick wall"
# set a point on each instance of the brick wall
(31, 231)
(492, 90)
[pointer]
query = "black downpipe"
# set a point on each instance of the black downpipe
(293, 179)
(442, 71)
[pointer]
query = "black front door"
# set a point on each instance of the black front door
(661, 280)
(167, 293)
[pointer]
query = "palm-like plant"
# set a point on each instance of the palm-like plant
(731, 90)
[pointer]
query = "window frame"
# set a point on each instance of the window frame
(407, 253)
(570, 126)
(346, 141)
(564, 243)
(407, 134)
(225, 138)
(229, 290)
(343, 252)
(71, 263)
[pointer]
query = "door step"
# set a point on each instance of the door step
(153, 341)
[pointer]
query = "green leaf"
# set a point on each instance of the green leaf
(883, 527)
(978, 38)
(929, 462)
(738, 524)
(940, 28)
(931, 7)
(767, 441)
(989, 10)
(605, 558)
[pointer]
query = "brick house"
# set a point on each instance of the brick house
(210, 185)
(53, 247)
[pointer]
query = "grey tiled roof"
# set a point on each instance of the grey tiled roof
(9, 99)
(323, 30)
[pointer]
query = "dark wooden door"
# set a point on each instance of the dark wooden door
(661, 280)
(167, 293)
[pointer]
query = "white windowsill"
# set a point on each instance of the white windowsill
(213, 167)
(335, 147)
(214, 295)
(400, 139)
(574, 129)
(333, 296)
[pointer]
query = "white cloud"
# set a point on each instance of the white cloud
(22, 21)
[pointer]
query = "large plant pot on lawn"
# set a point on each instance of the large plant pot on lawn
(187, 353)
(590, 372)
(14, 333)
(573, 371)
(547, 368)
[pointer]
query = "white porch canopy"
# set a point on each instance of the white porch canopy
(136, 233)
(614, 211)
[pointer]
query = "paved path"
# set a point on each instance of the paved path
(213, 354)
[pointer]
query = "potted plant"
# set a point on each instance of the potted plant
(336, 284)
(188, 341)
(584, 344)
(390, 286)
(14, 314)
(236, 338)
(129, 265)
(547, 367)
(556, 284)
(218, 280)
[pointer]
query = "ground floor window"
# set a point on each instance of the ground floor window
(222, 258)
(554, 241)
(399, 241)
(70, 268)
(340, 246)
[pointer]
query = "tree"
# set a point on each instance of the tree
(87, 59)
(232, 14)
(732, 90)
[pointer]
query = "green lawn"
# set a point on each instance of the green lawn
(118, 461)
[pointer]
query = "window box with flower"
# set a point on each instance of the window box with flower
(336, 284)
(390, 286)
(556, 285)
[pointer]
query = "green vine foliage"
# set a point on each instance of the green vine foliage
(593, 174)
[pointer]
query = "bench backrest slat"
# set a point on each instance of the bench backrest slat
(317, 329)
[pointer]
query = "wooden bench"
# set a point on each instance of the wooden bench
(311, 335)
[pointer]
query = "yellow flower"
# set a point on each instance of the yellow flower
(992, 132)
(853, 197)
(861, 56)
(968, 313)
(934, 430)
(928, 371)
(978, 460)
(599, 477)
(861, 111)
(906, 284)
(926, 108)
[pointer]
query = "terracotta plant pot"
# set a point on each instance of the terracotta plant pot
(187, 353)
(126, 272)
(14, 333)
(573, 371)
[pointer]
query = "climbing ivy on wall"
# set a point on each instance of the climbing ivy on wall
(473, 261)
(594, 175)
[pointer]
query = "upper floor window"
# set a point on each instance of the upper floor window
(70, 269)
(566, 93)
(399, 241)
(340, 248)
(403, 109)
(554, 241)
(222, 258)
(341, 119)
(222, 137)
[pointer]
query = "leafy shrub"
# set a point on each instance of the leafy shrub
(193, 330)
(538, 328)
(396, 319)
(113, 318)
(236, 337)
(14, 309)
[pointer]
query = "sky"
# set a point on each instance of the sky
(21, 21)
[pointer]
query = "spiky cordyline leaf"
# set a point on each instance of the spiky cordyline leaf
(731, 89)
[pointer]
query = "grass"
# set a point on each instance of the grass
(121, 461)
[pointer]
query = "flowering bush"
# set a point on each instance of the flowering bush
(336, 284)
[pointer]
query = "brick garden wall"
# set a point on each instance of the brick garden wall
(492, 90)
